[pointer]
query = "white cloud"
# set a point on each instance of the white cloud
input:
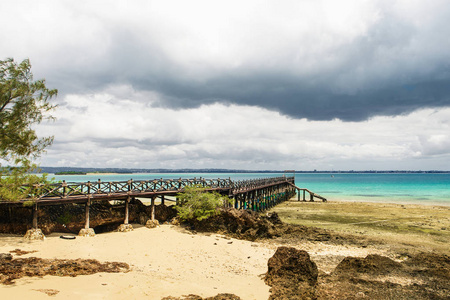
(209, 83)
(121, 132)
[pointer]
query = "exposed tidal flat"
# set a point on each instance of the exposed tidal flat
(408, 226)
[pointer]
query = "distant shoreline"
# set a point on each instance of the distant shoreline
(168, 171)
(111, 173)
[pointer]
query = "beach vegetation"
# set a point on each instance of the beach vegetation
(196, 203)
(24, 103)
(18, 182)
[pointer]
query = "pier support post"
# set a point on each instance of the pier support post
(86, 207)
(126, 210)
(125, 227)
(153, 208)
(34, 233)
(35, 216)
(86, 231)
(162, 199)
(152, 223)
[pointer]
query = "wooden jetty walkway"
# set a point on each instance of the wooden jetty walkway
(252, 194)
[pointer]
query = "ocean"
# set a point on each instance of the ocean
(418, 188)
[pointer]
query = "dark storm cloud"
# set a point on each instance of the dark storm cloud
(384, 59)
(388, 71)
(318, 103)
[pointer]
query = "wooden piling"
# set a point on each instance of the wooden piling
(35, 215)
(86, 207)
(153, 208)
(127, 210)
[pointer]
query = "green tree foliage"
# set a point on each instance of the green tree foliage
(23, 103)
(195, 203)
(18, 182)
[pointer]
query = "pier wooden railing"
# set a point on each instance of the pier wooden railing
(311, 194)
(79, 191)
(100, 190)
(65, 192)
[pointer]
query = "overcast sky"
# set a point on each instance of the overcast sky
(326, 85)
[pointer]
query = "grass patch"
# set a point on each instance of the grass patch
(416, 225)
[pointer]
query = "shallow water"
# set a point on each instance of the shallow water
(420, 188)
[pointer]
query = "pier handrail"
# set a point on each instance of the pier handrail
(108, 189)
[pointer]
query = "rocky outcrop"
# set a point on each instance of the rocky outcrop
(291, 274)
(373, 264)
(421, 276)
(242, 224)
(250, 225)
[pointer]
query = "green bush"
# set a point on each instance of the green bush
(196, 203)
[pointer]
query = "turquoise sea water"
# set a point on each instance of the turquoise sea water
(420, 188)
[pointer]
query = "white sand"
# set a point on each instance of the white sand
(164, 261)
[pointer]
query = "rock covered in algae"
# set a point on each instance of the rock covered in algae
(291, 274)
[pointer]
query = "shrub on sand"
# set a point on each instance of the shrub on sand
(196, 203)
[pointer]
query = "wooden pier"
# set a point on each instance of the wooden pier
(253, 194)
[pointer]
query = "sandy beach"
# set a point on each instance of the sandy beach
(171, 261)
(164, 261)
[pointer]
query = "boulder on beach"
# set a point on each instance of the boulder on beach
(291, 274)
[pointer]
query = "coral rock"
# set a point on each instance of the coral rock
(34, 234)
(86, 232)
(152, 224)
(125, 228)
